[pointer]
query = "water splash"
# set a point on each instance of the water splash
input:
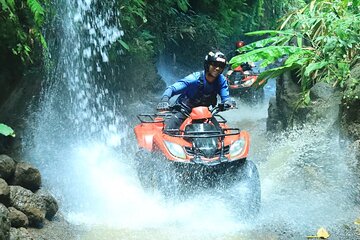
(77, 111)
(307, 180)
(81, 144)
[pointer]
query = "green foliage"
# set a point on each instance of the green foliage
(37, 10)
(20, 25)
(6, 130)
(321, 41)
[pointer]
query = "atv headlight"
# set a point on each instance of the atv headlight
(236, 148)
(175, 149)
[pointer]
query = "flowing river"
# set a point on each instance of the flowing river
(81, 139)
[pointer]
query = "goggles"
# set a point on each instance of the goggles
(218, 64)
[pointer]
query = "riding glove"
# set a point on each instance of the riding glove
(164, 104)
(230, 104)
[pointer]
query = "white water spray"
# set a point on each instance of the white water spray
(83, 146)
(80, 142)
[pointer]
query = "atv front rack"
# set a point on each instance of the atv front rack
(220, 118)
(204, 134)
(153, 118)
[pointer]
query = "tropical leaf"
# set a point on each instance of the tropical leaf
(6, 130)
(264, 32)
(124, 44)
(267, 55)
(314, 66)
(37, 10)
(259, 44)
(286, 21)
(273, 73)
(183, 5)
(7, 5)
(11, 4)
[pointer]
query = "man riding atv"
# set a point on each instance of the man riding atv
(241, 79)
(192, 148)
(244, 66)
(198, 89)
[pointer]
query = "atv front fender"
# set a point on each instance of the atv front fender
(145, 136)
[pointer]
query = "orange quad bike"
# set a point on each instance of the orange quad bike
(241, 82)
(204, 153)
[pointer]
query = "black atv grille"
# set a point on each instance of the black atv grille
(190, 151)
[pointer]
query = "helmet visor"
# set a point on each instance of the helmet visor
(218, 64)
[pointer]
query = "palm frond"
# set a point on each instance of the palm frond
(37, 10)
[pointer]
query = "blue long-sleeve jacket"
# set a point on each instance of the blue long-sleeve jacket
(195, 91)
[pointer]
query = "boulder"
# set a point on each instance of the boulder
(4, 222)
(51, 204)
(273, 122)
(17, 218)
(27, 176)
(284, 111)
(350, 117)
(20, 234)
(7, 167)
(29, 203)
(4, 192)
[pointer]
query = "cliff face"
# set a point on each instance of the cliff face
(327, 107)
(285, 112)
(350, 117)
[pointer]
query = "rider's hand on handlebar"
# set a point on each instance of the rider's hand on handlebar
(163, 105)
(230, 104)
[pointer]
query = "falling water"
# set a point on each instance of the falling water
(79, 117)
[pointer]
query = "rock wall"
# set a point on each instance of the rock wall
(22, 203)
(285, 111)
(350, 115)
(327, 107)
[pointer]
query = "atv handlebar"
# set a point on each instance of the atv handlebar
(221, 107)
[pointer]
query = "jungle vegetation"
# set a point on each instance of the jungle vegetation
(319, 38)
(320, 41)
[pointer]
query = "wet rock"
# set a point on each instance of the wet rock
(4, 222)
(51, 204)
(17, 218)
(285, 112)
(350, 117)
(273, 122)
(27, 176)
(325, 105)
(322, 91)
(29, 203)
(20, 234)
(58, 229)
(356, 148)
(7, 167)
(4, 192)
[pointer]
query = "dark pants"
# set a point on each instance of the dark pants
(175, 121)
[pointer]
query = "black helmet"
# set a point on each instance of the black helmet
(214, 56)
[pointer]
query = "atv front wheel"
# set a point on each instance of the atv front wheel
(245, 195)
(156, 173)
(144, 168)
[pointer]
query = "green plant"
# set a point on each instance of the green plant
(321, 41)
(6, 130)
(20, 25)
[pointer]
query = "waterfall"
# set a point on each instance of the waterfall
(78, 128)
